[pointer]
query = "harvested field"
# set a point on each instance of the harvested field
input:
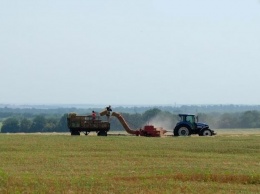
(60, 163)
(220, 132)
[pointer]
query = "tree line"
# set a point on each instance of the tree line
(39, 123)
(29, 123)
(12, 110)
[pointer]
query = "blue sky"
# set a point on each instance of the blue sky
(130, 52)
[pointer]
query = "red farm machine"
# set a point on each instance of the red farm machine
(148, 130)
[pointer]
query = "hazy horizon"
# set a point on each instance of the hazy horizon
(2, 105)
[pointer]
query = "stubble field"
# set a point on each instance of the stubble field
(58, 163)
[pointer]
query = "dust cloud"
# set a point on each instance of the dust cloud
(164, 121)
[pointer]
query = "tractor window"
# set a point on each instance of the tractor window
(182, 118)
(190, 119)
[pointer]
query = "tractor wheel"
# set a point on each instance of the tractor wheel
(182, 131)
(206, 132)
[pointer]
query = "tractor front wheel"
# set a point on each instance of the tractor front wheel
(206, 132)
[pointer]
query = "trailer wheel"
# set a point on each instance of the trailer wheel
(102, 133)
(87, 132)
(75, 133)
(182, 131)
(206, 132)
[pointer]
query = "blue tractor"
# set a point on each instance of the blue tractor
(188, 125)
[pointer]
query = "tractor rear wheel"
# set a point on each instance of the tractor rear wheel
(182, 131)
(206, 132)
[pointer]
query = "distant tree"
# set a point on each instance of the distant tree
(50, 125)
(133, 120)
(227, 120)
(62, 124)
(136, 120)
(250, 119)
(25, 125)
(10, 125)
(38, 124)
(149, 114)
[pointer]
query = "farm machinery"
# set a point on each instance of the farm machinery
(86, 124)
(185, 127)
(188, 125)
(148, 130)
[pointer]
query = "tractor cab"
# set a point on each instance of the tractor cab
(188, 119)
